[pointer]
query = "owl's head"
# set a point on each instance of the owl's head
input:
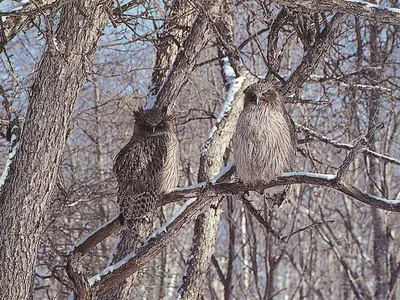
(153, 120)
(262, 93)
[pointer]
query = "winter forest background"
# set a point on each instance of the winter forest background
(349, 59)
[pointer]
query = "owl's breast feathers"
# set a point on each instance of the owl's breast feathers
(149, 163)
(263, 144)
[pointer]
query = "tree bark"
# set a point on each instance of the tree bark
(26, 193)
(379, 219)
(366, 10)
(211, 161)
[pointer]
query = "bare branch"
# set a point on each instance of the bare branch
(339, 145)
(161, 238)
(364, 9)
(260, 219)
(311, 58)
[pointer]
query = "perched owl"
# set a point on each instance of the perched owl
(264, 144)
(146, 168)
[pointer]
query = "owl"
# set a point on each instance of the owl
(146, 168)
(264, 144)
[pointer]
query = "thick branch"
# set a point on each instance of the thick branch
(133, 262)
(186, 58)
(311, 58)
(364, 9)
(18, 20)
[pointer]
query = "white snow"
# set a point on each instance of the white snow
(189, 187)
(123, 261)
(89, 235)
(234, 87)
(331, 177)
(375, 6)
(394, 202)
(9, 160)
(163, 228)
(312, 175)
(191, 256)
(203, 184)
(223, 172)
(110, 269)
(227, 69)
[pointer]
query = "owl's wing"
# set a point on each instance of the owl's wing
(139, 163)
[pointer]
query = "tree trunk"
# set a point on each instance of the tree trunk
(379, 220)
(26, 193)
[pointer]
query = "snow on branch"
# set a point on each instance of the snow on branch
(159, 240)
(234, 87)
(364, 9)
(12, 134)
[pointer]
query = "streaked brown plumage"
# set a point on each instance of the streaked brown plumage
(264, 144)
(146, 168)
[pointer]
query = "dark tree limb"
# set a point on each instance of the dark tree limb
(205, 195)
(25, 195)
(186, 58)
(323, 41)
(364, 9)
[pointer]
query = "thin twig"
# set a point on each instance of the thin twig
(286, 238)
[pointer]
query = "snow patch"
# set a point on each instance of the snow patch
(163, 228)
(9, 160)
(227, 69)
(225, 170)
(189, 187)
(110, 269)
(312, 175)
(393, 202)
(375, 6)
(234, 87)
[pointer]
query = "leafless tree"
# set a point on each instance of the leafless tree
(74, 73)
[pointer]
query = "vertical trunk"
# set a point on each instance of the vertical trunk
(167, 50)
(246, 253)
(26, 193)
(231, 255)
(380, 241)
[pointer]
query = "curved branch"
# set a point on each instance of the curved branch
(160, 239)
(339, 145)
(364, 9)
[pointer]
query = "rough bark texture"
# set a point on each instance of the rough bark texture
(185, 61)
(365, 10)
(169, 42)
(26, 193)
(379, 219)
(211, 162)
